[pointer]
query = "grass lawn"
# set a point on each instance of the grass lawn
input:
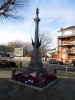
(64, 89)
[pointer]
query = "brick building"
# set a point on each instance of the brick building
(66, 44)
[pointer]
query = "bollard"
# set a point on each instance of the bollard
(55, 72)
(13, 73)
(66, 70)
(20, 64)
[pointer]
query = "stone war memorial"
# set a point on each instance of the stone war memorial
(35, 76)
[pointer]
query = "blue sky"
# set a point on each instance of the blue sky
(54, 14)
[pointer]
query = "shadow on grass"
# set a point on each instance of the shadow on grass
(64, 89)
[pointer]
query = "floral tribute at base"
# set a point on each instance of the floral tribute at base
(33, 79)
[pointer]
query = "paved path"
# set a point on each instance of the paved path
(64, 89)
(5, 74)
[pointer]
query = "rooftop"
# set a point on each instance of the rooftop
(67, 28)
(69, 35)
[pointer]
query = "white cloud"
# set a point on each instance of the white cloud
(53, 14)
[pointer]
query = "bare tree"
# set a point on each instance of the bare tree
(46, 41)
(18, 44)
(27, 47)
(45, 38)
(7, 7)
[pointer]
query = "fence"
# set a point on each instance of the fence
(62, 70)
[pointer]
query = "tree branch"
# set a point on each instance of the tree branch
(7, 6)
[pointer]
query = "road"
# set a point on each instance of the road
(53, 66)
(61, 67)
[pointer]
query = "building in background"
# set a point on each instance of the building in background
(10, 44)
(51, 53)
(11, 47)
(18, 52)
(4, 51)
(66, 44)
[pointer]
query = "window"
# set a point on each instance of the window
(71, 39)
(63, 49)
(73, 31)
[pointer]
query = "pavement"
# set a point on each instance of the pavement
(64, 89)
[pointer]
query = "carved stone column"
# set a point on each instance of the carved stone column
(36, 61)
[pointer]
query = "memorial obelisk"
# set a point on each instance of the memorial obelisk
(36, 61)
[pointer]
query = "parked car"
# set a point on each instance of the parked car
(72, 62)
(54, 61)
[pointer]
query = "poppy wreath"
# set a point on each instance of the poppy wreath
(20, 77)
(48, 77)
(25, 78)
(33, 80)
